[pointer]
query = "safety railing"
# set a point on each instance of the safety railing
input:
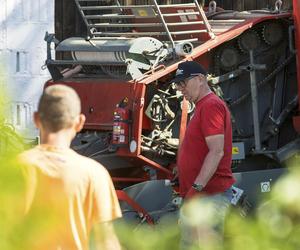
(173, 23)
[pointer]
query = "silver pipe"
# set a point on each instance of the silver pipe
(135, 6)
(62, 62)
(134, 34)
(188, 32)
(181, 14)
(110, 16)
(187, 40)
(120, 25)
(254, 104)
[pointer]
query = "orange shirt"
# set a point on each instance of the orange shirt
(66, 195)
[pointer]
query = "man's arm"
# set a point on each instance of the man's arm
(30, 178)
(106, 210)
(215, 145)
(105, 237)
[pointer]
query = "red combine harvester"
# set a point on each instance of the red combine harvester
(135, 116)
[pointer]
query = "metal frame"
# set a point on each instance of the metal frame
(140, 210)
(135, 90)
(252, 67)
(160, 15)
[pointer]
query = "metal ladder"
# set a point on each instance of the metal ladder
(118, 22)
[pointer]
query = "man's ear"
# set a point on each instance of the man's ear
(80, 123)
(37, 120)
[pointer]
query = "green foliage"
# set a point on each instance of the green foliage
(146, 237)
(13, 233)
(276, 224)
(12, 202)
(10, 142)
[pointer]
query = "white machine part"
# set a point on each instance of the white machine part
(183, 49)
(140, 54)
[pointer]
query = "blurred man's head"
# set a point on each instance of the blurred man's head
(59, 109)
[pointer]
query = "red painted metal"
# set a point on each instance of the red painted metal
(122, 196)
(296, 16)
(127, 179)
(212, 43)
(156, 166)
(99, 99)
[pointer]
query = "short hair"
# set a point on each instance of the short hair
(58, 107)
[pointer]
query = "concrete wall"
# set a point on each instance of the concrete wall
(23, 24)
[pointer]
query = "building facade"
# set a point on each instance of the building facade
(23, 24)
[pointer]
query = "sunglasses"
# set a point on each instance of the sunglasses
(182, 84)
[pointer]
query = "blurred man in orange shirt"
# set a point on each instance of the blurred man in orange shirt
(67, 194)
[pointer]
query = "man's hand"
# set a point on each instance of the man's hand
(175, 173)
(175, 180)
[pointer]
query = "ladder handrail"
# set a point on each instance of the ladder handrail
(97, 25)
(82, 15)
(164, 24)
(206, 23)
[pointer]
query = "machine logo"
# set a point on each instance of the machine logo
(265, 187)
(179, 72)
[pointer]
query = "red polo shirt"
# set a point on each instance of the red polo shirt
(211, 117)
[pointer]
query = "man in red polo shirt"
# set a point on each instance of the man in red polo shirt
(204, 158)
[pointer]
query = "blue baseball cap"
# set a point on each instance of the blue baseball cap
(188, 69)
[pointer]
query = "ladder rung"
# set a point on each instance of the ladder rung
(110, 38)
(188, 32)
(114, 7)
(134, 6)
(184, 23)
(91, 0)
(130, 33)
(177, 5)
(122, 25)
(110, 16)
(187, 40)
(61, 62)
(164, 6)
(181, 14)
(148, 33)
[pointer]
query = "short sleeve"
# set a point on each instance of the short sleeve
(30, 177)
(106, 204)
(213, 119)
